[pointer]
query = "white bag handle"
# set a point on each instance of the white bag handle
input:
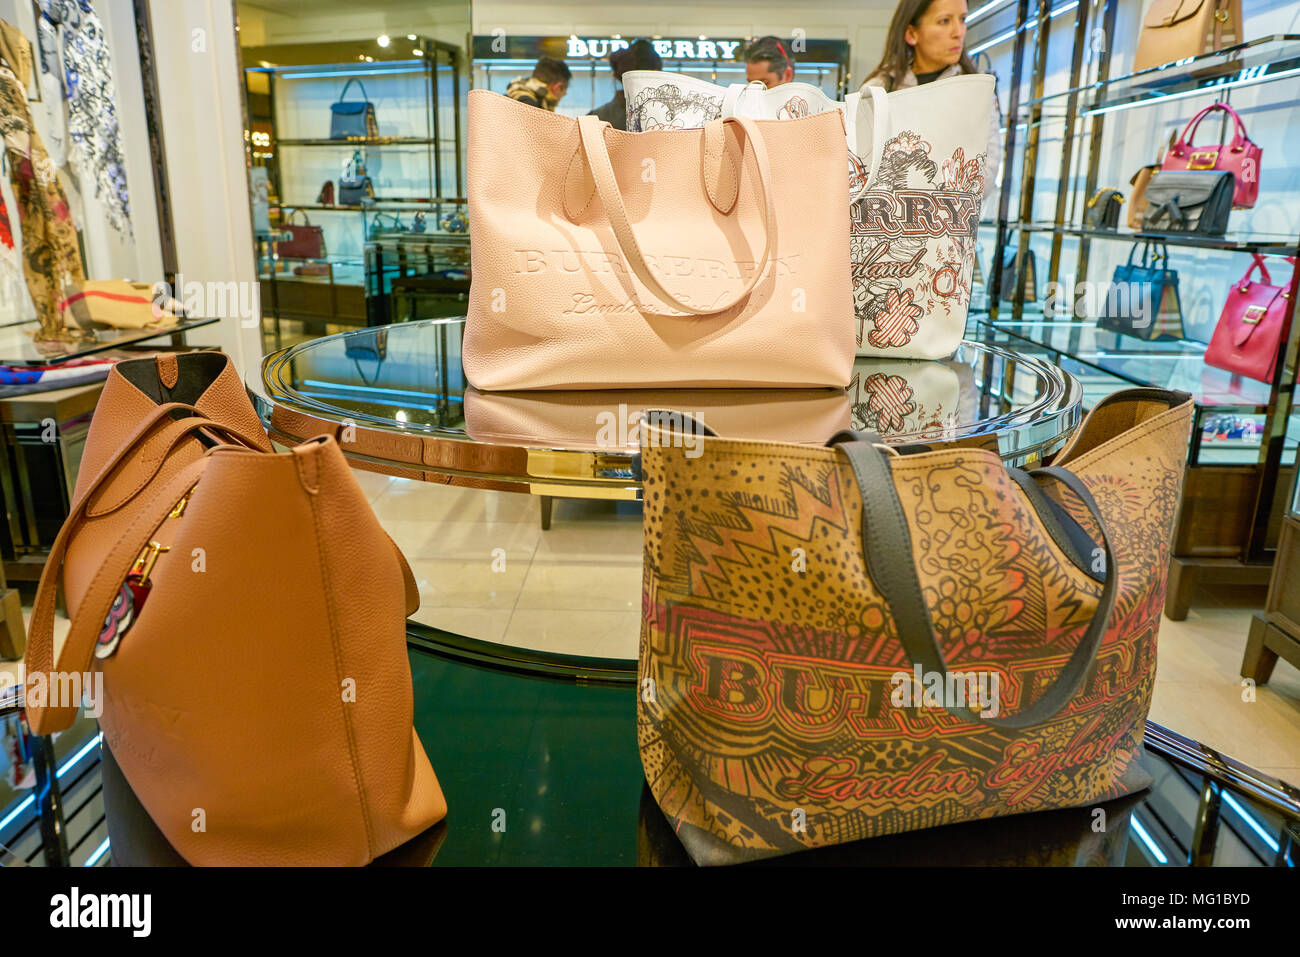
(735, 96)
(878, 122)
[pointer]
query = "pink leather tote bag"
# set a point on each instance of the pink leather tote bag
(704, 258)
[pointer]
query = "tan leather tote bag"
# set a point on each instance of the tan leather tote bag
(1174, 29)
(706, 258)
(844, 642)
(247, 613)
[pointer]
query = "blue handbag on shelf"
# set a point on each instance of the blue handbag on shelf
(1142, 300)
(353, 119)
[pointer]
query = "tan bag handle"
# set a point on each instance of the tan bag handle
(79, 648)
(591, 130)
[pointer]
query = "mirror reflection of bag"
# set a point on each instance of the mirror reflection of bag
(913, 398)
(601, 420)
(1143, 299)
(116, 303)
(353, 119)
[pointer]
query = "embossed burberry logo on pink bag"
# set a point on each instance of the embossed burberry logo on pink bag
(626, 260)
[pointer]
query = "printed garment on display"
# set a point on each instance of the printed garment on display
(50, 252)
(94, 136)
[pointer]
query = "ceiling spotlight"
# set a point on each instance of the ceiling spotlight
(417, 51)
(410, 36)
(382, 40)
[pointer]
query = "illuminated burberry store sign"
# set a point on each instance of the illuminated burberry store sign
(501, 45)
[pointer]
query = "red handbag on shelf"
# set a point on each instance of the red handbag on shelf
(1252, 327)
(1241, 158)
(308, 241)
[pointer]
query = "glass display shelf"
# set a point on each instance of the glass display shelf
(1185, 371)
(17, 348)
(371, 141)
(1268, 244)
(1261, 60)
(1084, 337)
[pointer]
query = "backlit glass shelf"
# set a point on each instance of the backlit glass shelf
(1261, 60)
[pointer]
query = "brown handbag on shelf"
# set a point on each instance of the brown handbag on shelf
(840, 643)
(1175, 29)
(247, 615)
(1138, 200)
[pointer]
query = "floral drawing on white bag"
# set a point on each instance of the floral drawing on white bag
(668, 107)
(908, 262)
(794, 108)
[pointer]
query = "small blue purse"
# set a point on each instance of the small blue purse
(353, 119)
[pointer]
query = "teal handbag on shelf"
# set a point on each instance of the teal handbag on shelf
(353, 119)
(1143, 300)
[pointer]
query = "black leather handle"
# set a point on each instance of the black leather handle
(887, 548)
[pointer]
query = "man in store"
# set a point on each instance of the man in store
(545, 88)
(768, 61)
(639, 56)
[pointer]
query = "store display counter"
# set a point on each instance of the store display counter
(544, 772)
(398, 403)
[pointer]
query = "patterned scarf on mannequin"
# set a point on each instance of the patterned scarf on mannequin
(51, 255)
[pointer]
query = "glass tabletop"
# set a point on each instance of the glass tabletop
(401, 394)
(17, 348)
(396, 399)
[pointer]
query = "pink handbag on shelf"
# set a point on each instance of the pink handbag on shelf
(1241, 158)
(1252, 327)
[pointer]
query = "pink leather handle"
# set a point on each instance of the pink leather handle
(1189, 132)
(592, 132)
(1257, 263)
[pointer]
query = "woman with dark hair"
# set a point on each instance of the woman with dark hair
(926, 42)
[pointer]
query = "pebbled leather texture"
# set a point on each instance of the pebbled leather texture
(555, 303)
(1174, 29)
(265, 681)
